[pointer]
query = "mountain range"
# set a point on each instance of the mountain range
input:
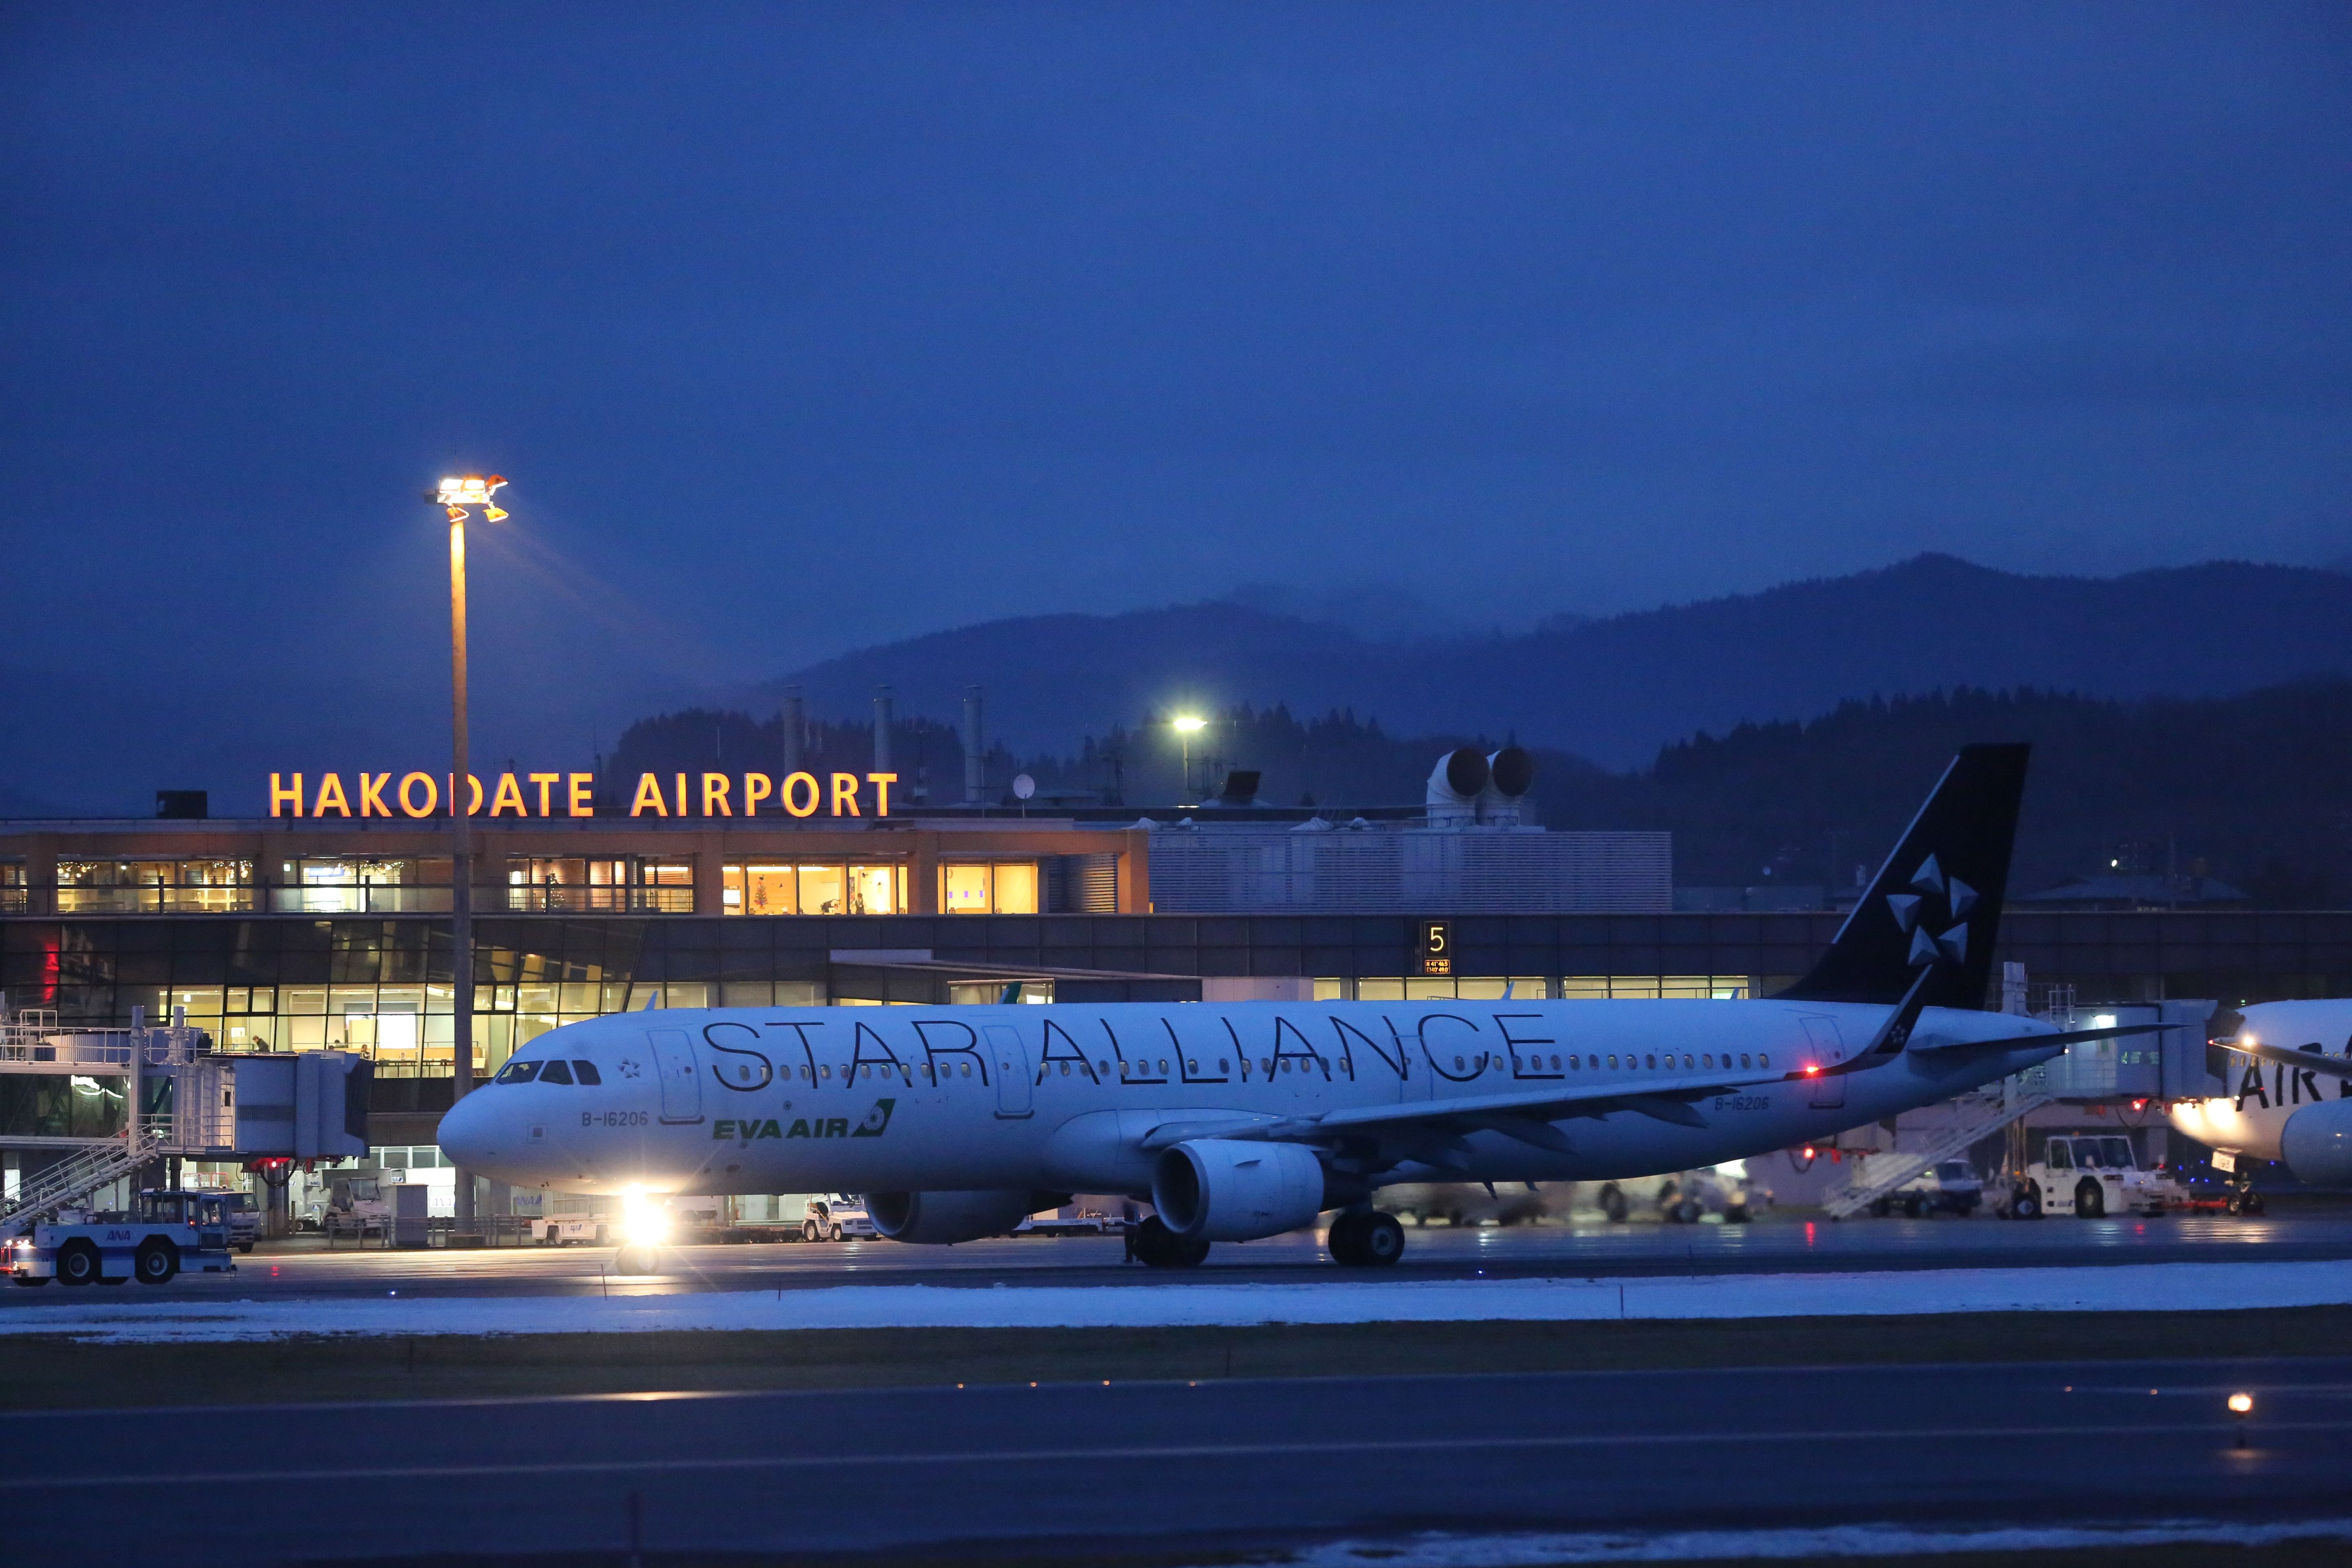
(1615, 691)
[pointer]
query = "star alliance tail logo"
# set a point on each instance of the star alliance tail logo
(1911, 911)
(877, 1120)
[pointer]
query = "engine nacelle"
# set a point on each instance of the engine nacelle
(2317, 1143)
(942, 1219)
(1223, 1189)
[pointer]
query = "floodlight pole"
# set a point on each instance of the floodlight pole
(461, 865)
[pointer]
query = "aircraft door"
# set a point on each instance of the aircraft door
(1011, 1059)
(1828, 1051)
(681, 1079)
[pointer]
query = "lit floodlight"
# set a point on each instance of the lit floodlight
(1190, 725)
(2241, 1403)
(461, 490)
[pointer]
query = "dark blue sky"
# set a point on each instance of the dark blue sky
(799, 328)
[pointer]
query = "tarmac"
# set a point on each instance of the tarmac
(1212, 1466)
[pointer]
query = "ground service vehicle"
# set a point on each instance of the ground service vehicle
(587, 1220)
(1949, 1186)
(356, 1206)
(162, 1233)
(842, 1216)
(1238, 1120)
(2089, 1175)
(244, 1220)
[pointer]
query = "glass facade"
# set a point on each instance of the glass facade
(162, 887)
(616, 884)
(774, 887)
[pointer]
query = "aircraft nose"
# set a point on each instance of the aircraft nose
(467, 1133)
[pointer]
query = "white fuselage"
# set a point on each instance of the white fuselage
(1063, 1098)
(2249, 1120)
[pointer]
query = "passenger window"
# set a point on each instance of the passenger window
(1220, 1065)
(826, 1070)
(1651, 1061)
(1612, 1059)
(1743, 1058)
(555, 1072)
(1190, 1066)
(585, 1072)
(1762, 1060)
(967, 1069)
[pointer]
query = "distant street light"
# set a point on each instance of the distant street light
(1187, 726)
(454, 496)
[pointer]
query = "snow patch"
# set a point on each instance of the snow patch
(2148, 1288)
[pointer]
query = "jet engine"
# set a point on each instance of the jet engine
(1223, 1189)
(2317, 1143)
(940, 1219)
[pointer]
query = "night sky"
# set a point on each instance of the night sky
(802, 328)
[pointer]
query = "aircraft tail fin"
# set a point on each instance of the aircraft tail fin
(1935, 905)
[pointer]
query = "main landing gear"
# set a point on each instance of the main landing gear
(1365, 1238)
(1161, 1248)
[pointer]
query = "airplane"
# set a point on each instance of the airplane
(2281, 1109)
(1245, 1120)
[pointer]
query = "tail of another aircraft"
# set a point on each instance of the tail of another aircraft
(1935, 903)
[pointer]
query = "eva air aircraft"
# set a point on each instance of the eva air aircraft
(1248, 1120)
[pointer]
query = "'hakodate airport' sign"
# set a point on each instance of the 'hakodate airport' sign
(422, 795)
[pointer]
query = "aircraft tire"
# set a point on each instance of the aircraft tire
(2090, 1200)
(1381, 1241)
(1157, 1246)
(1346, 1241)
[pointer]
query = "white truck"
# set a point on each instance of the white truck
(586, 1221)
(2090, 1175)
(162, 1234)
(837, 1216)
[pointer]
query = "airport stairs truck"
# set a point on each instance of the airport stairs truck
(174, 1096)
(1881, 1175)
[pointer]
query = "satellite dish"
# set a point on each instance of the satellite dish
(1024, 787)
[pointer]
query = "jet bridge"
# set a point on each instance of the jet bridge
(178, 1097)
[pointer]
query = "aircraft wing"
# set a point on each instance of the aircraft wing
(2068, 1038)
(2335, 1067)
(1527, 1114)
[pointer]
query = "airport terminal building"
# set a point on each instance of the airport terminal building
(301, 933)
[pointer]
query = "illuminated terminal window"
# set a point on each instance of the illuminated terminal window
(568, 884)
(157, 887)
(986, 888)
(1465, 987)
(1652, 987)
(776, 889)
(359, 884)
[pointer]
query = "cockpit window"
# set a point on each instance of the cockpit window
(517, 1072)
(555, 1072)
(586, 1072)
